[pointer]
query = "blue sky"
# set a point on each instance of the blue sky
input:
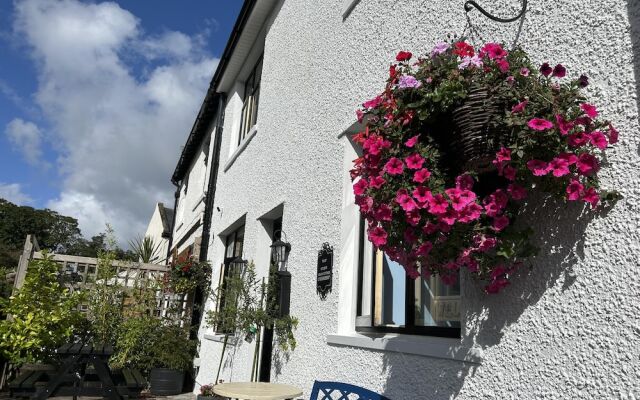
(96, 99)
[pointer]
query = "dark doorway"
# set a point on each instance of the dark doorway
(267, 335)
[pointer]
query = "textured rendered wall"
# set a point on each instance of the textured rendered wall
(568, 328)
(154, 230)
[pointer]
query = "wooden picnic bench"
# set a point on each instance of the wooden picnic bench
(83, 371)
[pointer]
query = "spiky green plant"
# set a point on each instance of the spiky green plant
(146, 249)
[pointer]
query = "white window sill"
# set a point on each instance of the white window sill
(427, 346)
(218, 337)
(241, 148)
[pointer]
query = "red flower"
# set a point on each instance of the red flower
(587, 164)
(422, 194)
(517, 192)
(360, 115)
(376, 182)
(509, 172)
(569, 157)
(438, 204)
(503, 154)
(598, 139)
(559, 71)
(403, 56)
(424, 249)
(464, 182)
(360, 187)
(578, 139)
(503, 65)
(538, 167)
(493, 51)
(499, 223)
(574, 190)
(470, 213)
(383, 213)
(545, 69)
(613, 135)
(591, 196)
(518, 108)
(539, 124)
(559, 167)
(405, 201)
(373, 103)
(463, 49)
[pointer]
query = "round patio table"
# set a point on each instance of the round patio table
(256, 391)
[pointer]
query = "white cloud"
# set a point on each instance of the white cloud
(13, 192)
(26, 137)
(118, 135)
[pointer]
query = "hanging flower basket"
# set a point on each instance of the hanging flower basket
(455, 144)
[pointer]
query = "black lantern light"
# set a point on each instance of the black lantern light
(280, 252)
(237, 265)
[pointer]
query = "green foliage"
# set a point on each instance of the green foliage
(146, 249)
(172, 348)
(187, 275)
(134, 343)
(43, 315)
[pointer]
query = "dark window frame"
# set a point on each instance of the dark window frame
(249, 114)
(230, 240)
(409, 328)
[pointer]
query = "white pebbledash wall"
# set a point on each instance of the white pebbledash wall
(568, 328)
(155, 230)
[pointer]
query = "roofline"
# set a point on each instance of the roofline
(210, 98)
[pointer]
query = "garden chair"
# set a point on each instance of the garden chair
(342, 391)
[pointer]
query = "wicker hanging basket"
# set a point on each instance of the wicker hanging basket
(473, 144)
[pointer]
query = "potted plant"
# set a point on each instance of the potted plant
(456, 143)
(206, 393)
(171, 354)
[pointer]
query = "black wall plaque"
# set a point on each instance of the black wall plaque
(325, 270)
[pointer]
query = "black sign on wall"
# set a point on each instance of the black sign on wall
(325, 270)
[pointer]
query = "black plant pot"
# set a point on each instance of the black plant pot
(166, 382)
(201, 397)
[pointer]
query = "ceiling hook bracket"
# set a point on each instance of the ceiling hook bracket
(469, 5)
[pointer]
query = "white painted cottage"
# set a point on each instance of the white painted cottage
(270, 151)
(159, 230)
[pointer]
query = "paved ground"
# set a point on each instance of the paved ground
(186, 396)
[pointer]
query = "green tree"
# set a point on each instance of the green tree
(43, 314)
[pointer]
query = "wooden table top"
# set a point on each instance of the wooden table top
(257, 391)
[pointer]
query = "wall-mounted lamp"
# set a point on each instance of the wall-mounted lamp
(237, 265)
(280, 253)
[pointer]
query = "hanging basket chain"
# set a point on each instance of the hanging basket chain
(469, 5)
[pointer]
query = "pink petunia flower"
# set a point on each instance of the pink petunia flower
(360, 187)
(577, 139)
(587, 164)
(563, 125)
(559, 71)
(592, 197)
(538, 167)
(460, 198)
(569, 158)
(559, 167)
(359, 115)
(470, 213)
(589, 109)
(493, 51)
(449, 217)
(439, 48)
(518, 108)
(517, 192)
(438, 204)
(405, 201)
(499, 223)
(376, 182)
(413, 218)
(484, 243)
(378, 236)
(503, 154)
(412, 141)
(421, 175)
(424, 249)
(540, 124)
(574, 190)
(383, 213)
(422, 194)
(394, 166)
(414, 161)
(524, 71)
(598, 140)
(467, 62)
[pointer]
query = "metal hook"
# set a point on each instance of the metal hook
(470, 4)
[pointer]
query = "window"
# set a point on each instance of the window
(389, 301)
(233, 249)
(251, 96)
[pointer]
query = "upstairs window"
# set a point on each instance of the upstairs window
(390, 301)
(251, 97)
